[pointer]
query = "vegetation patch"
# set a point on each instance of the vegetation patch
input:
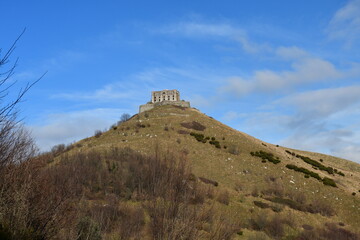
(198, 136)
(325, 180)
(201, 138)
(182, 131)
(330, 232)
(208, 181)
(316, 164)
(266, 156)
(304, 170)
(315, 207)
(193, 125)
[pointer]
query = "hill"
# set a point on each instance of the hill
(175, 173)
(261, 178)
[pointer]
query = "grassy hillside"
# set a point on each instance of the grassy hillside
(175, 173)
(314, 191)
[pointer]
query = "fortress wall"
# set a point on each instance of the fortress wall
(147, 107)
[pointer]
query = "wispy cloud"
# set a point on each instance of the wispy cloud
(305, 69)
(323, 120)
(72, 126)
(109, 92)
(216, 30)
(345, 24)
(323, 103)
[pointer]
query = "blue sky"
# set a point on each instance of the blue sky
(286, 72)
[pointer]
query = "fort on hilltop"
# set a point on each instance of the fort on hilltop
(164, 97)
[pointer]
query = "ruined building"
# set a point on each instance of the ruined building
(164, 97)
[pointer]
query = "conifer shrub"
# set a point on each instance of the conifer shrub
(329, 182)
(266, 156)
(316, 164)
(304, 170)
(198, 136)
(215, 143)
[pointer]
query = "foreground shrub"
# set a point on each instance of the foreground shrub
(330, 232)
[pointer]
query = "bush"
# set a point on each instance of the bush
(261, 204)
(182, 132)
(198, 136)
(98, 133)
(223, 197)
(57, 149)
(88, 229)
(266, 156)
(194, 125)
(233, 149)
(316, 164)
(304, 170)
(329, 182)
(208, 181)
(215, 143)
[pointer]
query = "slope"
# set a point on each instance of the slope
(309, 188)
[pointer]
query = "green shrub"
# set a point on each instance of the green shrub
(329, 182)
(198, 136)
(266, 156)
(215, 143)
(304, 170)
(316, 164)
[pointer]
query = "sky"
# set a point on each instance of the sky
(286, 72)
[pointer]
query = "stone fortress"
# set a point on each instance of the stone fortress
(164, 97)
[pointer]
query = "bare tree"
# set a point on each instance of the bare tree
(15, 143)
(124, 117)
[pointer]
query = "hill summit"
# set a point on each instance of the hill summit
(164, 97)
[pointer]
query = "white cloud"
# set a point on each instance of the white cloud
(227, 31)
(72, 126)
(108, 92)
(345, 24)
(305, 69)
(323, 103)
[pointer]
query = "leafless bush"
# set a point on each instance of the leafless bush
(182, 131)
(275, 189)
(318, 206)
(330, 232)
(233, 149)
(193, 125)
(209, 181)
(173, 220)
(223, 197)
(98, 133)
(224, 226)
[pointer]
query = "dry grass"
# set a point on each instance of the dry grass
(242, 171)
